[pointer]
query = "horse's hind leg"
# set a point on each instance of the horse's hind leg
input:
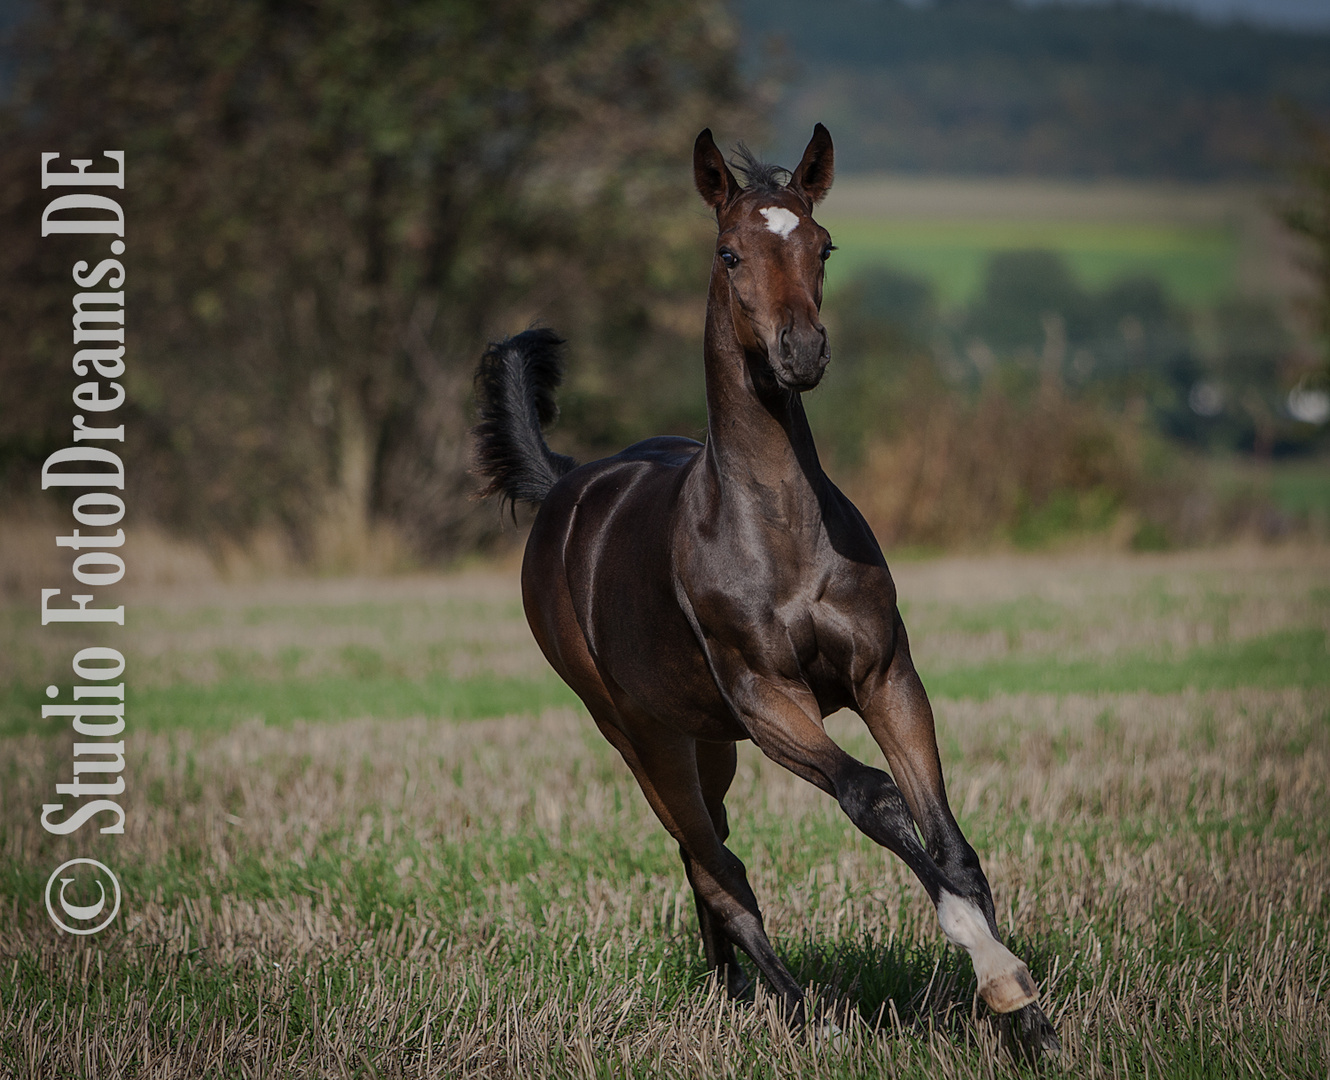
(668, 769)
(715, 770)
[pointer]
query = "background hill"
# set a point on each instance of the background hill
(992, 87)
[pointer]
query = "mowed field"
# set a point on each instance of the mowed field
(1202, 243)
(368, 835)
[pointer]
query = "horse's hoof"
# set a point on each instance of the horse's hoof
(1007, 988)
(1028, 1035)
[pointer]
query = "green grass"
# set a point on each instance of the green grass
(342, 698)
(221, 705)
(1197, 265)
(1302, 488)
(1294, 657)
(1287, 658)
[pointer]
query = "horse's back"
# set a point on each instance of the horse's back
(639, 482)
(671, 451)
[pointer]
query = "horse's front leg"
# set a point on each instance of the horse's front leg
(901, 721)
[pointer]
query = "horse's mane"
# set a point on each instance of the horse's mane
(759, 175)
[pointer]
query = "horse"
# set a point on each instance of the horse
(697, 594)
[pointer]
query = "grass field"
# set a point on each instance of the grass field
(1201, 243)
(369, 836)
(1196, 264)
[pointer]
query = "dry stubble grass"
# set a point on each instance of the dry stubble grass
(412, 898)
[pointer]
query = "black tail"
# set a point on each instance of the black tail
(515, 386)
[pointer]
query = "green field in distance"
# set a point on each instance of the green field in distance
(1197, 264)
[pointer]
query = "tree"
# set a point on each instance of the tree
(332, 207)
(1308, 214)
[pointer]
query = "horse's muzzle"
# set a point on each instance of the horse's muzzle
(801, 356)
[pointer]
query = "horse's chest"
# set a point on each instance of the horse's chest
(804, 636)
(848, 641)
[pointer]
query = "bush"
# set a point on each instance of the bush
(961, 472)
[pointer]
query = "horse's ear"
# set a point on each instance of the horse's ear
(812, 179)
(715, 183)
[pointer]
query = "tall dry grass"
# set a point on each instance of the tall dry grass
(1162, 861)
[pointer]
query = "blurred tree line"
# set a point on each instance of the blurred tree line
(1307, 212)
(331, 208)
(1073, 89)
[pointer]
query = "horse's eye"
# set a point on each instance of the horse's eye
(826, 251)
(729, 258)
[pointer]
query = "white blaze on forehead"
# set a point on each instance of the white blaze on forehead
(779, 220)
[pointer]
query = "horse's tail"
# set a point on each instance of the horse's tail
(515, 386)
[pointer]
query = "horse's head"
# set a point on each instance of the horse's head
(771, 251)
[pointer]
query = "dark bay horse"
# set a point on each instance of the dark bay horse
(697, 594)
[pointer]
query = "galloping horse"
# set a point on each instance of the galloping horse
(694, 595)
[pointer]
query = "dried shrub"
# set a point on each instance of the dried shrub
(960, 472)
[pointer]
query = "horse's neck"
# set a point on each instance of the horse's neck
(754, 441)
